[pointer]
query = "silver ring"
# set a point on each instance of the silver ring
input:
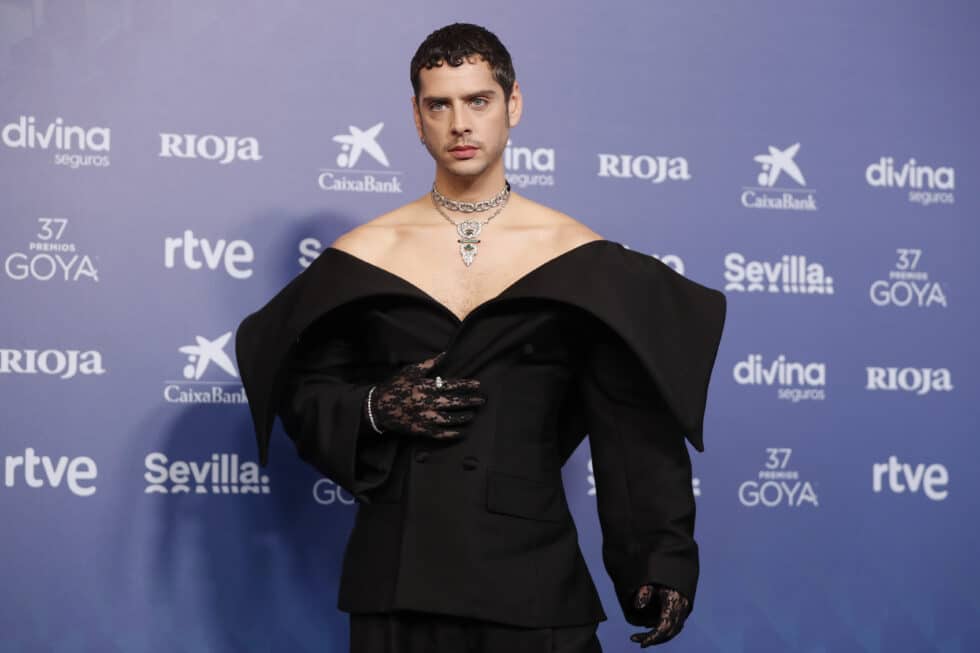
(439, 382)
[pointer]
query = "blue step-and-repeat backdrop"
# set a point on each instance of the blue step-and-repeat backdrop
(168, 165)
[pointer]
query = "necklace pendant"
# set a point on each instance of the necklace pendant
(469, 236)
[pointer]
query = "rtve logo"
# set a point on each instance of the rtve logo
(40, 471)
(232, 254)
(932, 479)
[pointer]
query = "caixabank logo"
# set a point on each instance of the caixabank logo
(794, 381)
(352, 174)
(926, 184)
(782, 185)
(74, 146)
(52, 254)
(222, 473)
(209, 376)
(792, 274)
(907, 285)
(777, 485)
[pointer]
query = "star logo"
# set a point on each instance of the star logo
(357, 142)
(205, 352)
(777, 162)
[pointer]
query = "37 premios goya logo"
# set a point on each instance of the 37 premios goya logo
(209, 375)
(908, 285)
(362, 165)
(777, 485)
(51, 256)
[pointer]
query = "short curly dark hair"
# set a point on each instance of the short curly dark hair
(454, 43)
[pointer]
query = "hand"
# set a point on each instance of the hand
(410, 402)
(673, 609)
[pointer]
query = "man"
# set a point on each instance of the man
(463, 534)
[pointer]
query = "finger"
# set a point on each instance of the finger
(429, 363)
(458, 417)
(457, 402)
(450, 386)
(643, 596)
(446, 434)
(644, 638)
(666, 624)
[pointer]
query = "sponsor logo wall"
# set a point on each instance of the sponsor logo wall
(143, 219)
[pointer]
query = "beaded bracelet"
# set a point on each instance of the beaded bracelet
(370, 414)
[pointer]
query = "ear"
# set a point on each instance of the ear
(515, 106)
(417, 117)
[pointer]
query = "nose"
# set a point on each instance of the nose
(460, 122)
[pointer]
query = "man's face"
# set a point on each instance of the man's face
(463, 117)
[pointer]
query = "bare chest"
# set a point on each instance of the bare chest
(458, 287)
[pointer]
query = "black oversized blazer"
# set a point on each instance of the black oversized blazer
(600, 341)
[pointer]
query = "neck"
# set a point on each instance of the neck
(470, 189)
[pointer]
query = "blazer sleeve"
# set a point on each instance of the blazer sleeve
(643, 477)
(321, 408)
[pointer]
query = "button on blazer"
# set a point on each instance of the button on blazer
(600, 341)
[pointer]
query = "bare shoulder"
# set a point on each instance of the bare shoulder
(372, 239)
(559, 227)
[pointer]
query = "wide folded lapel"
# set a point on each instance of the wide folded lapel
(672, 324)
(265, 338)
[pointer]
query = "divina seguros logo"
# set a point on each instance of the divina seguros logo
(75, 147)
(348, 177)
(793, 381)
(529, 167)
(927, 185)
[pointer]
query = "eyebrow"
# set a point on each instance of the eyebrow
(485, 93)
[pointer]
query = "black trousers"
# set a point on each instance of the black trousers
(413, 632)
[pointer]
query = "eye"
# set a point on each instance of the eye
(480, 102)
(435, 105)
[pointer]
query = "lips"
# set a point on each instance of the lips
(463, 151)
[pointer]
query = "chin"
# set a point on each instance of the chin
(471, 168)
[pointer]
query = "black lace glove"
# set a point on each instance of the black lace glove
(672, 606)
(409, 402)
